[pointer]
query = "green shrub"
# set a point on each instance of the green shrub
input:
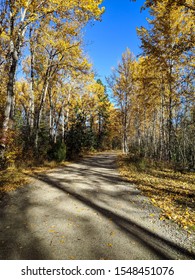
(57, 152)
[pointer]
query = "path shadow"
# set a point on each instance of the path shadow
(164, 248)
(101, 161)
(17, 240)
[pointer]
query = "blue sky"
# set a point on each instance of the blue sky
(108, 39)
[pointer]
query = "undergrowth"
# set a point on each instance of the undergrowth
(17, 176)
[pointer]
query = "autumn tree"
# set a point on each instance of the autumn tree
(187, 4)
(19, 18)
(122, 84)
(170, 42)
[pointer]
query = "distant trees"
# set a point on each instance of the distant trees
(122, 84)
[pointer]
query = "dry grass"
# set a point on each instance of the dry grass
(173, 192)
(13, 178)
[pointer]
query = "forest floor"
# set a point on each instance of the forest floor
(86, 210)
(172, 191)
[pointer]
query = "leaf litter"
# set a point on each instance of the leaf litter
(173, 192)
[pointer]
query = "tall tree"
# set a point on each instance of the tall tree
(122, 85)
(169, 40)
(19, 18)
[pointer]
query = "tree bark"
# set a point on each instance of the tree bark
(39, 114)
(31, 101)
(14, 52)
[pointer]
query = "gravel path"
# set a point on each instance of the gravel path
(86, 211)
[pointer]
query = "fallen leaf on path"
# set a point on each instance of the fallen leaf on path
(72, 258)
(152, 215)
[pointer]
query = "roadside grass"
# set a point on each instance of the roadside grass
(11, 179)
(15, 177)
(173, 192)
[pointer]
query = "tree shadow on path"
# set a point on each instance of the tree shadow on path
(55, 198)
(164, 248)
(17, 239)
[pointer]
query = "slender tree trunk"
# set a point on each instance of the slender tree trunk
(125, 125)
(154, 135)
(63, 124)
(14, 52)
(170, 113)
(125, 137)
(31, 102)
(170, 124)
(8, 113)
(66, 122)
(39, 114)
(162, 127)
(51, 117)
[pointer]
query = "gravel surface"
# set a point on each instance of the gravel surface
(86, 211)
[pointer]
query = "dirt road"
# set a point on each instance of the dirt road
(87, 211)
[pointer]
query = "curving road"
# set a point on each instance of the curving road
(86, 211)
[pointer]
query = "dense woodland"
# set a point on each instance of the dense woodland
(156, 92)
(53, 107)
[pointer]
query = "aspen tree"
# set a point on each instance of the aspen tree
(122, 85)
(20, 14)
(169, 40)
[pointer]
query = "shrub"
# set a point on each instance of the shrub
(57, 152)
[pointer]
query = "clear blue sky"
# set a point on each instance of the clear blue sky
(108, 39)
